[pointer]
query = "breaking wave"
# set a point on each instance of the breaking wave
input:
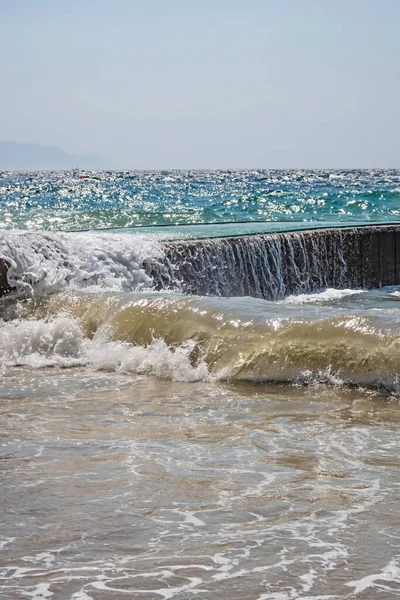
(190, 338)
(41, 263)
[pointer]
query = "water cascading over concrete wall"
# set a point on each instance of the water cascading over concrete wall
(275, 265)
(269, 266)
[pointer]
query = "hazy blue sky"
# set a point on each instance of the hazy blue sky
(205, 83)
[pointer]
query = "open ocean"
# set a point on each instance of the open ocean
(162, 445)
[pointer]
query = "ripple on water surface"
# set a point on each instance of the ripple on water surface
(130, 486)
(284, 199)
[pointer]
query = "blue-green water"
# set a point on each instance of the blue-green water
(198, 203)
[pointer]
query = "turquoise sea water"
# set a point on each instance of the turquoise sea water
(195, 202)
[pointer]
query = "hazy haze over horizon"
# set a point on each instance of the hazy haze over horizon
(222, 84)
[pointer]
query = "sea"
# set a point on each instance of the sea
(156, 444)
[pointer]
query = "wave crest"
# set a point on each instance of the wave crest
(189, 338)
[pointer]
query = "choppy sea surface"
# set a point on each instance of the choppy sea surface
(241, 201)
(160, 445)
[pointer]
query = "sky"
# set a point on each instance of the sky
(205, 83)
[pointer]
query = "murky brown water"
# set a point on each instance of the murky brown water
(126, 486)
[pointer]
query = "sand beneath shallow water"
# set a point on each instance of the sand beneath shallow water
(116, 486)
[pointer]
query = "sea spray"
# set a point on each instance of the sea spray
(60, 342)
(40, 263)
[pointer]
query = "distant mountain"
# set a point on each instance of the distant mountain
(32, 157)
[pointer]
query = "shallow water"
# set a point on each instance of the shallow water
(121, 486)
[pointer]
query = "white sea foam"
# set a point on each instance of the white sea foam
(81, 595)
(47, 262)
(390, 574)
(39, 592)
(59, 342)
(326, 296)
(5, 541)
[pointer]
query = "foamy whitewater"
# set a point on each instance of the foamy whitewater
(167, 435)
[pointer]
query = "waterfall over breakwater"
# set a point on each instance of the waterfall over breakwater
(270, 266)
(275, 265)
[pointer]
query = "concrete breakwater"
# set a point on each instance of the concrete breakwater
(269, 266)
